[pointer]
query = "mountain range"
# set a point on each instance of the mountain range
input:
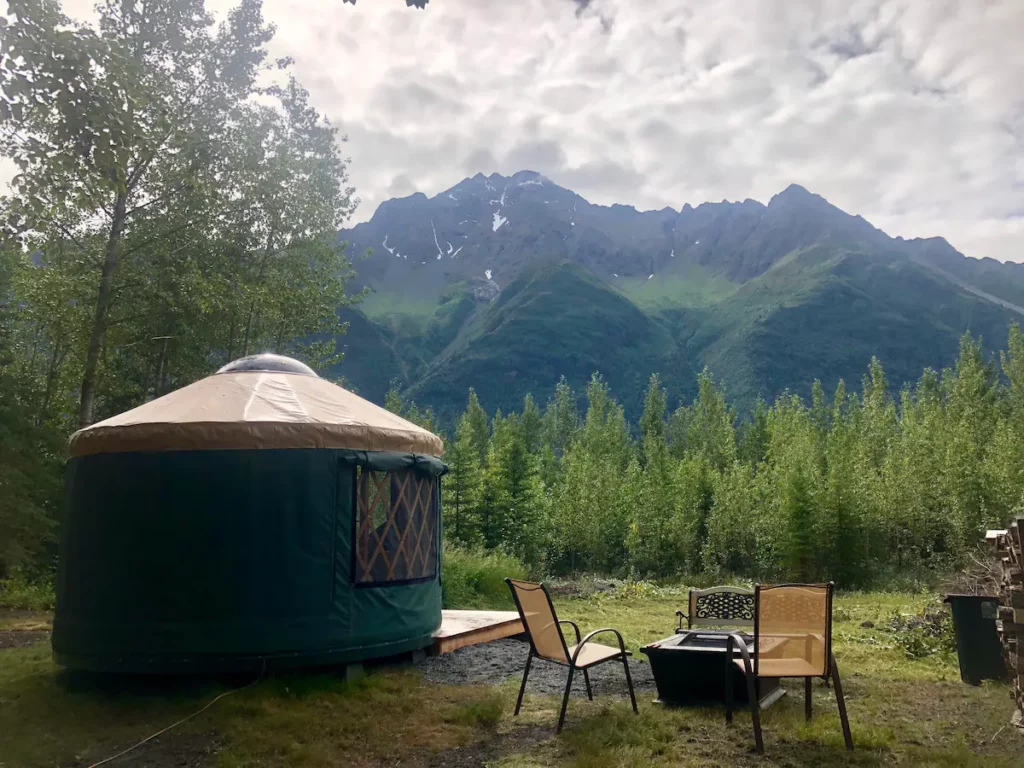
(505, 284)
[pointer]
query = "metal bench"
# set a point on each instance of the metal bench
(718, 607)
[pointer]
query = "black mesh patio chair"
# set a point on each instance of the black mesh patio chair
(547, 642)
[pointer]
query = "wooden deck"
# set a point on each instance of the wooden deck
(462, 628)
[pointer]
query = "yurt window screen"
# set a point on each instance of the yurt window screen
(395, 527)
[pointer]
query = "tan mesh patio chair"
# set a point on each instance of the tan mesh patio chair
(792, 638)
(547, 642)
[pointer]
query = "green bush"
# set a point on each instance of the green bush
(19, 593)
(472, 578)
(926, 634)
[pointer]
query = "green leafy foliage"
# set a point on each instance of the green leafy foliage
(176, 205)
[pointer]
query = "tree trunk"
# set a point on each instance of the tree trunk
(280, 338)
(99, 321)
(231, 340)
(259, 281)
(158, 378)
(51, 378)
(248, 328)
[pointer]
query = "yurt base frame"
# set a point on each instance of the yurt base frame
(229, 665)
(458, 629)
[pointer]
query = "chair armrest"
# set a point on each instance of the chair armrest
(681, 616)
(574, 625)
(734, 639)
(589, 637)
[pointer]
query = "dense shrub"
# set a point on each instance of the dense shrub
(475, 579)
(19, 593)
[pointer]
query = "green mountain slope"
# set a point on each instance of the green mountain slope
(826, 312)
(507, 283)
(554, 319)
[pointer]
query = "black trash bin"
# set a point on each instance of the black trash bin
(977, 641)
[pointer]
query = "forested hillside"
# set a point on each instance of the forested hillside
(856, 486)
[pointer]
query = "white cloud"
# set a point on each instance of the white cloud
(907, 112)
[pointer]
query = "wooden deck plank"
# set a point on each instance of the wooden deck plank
(462, 628)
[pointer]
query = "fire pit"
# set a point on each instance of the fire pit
(689, 668)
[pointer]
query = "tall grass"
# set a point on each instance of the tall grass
(472, 578)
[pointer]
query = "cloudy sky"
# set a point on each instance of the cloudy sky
(910, 113)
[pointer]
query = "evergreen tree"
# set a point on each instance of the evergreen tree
(561, 418)
(532, 424)
(731, 544)
(478, 428)
(711, 431)
(798, 506)
(590, 512)
(652, 423)
(753, 437)
(462, 487)
(677, 431)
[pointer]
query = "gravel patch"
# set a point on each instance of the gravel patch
(494, 663)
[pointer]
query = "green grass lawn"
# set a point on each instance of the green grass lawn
(902, 711)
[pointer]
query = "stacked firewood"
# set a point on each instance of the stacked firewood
(1009, 547)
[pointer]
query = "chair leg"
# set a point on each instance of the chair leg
(629, 683)
(565, 700)
(586, 678)
(522, 688)
(841, 701)
(728, 691)
(755, 712)
(807, 698)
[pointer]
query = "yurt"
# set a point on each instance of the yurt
(260, 516)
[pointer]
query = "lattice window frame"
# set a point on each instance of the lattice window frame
(415, 557)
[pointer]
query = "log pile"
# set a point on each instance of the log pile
(1009, 547)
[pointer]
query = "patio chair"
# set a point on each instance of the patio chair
(547, 642)
(792, 638)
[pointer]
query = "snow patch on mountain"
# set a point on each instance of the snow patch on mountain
(436, 244)
(386, 248)
(487, 274)
(498, 221)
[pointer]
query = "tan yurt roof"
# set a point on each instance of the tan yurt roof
(256, 409)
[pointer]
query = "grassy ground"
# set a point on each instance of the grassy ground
(903, 711)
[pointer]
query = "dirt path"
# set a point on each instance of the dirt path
(16, 638)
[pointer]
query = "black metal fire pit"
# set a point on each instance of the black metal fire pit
(689, 668)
